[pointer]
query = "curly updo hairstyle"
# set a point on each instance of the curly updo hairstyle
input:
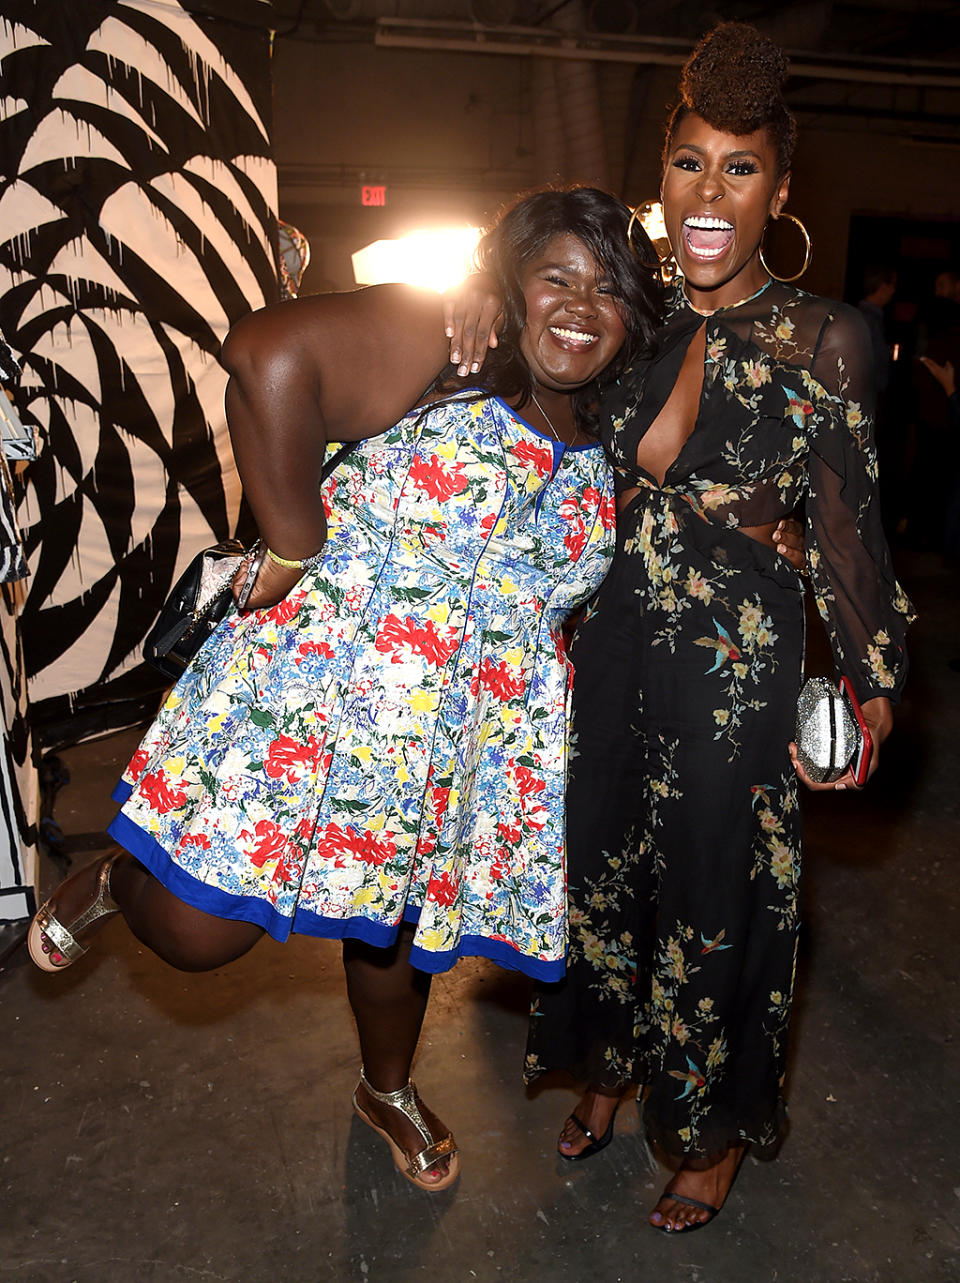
(520, 234)
(734, 81)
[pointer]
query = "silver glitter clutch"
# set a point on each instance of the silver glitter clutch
(828, 734)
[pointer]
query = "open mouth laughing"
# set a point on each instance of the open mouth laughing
(706, 237)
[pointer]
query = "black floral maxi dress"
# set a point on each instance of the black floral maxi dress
(683, 825)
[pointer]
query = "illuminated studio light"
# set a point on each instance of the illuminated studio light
(432, 259)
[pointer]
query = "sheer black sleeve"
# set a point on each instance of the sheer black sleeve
(865, 610)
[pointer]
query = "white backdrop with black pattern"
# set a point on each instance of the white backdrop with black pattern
(137, 223)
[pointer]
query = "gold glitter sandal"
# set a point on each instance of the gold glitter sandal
(48, 938)
(413, 1166)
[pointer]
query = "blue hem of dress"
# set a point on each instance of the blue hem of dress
(381, 935)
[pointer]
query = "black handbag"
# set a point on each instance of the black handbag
(201, 598)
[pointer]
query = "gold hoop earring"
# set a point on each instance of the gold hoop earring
(636, 215)
(808, 255)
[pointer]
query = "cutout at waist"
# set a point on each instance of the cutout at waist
(761, 534)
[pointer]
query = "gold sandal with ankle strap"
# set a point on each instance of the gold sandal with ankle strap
(62, 941)
(412, 1166)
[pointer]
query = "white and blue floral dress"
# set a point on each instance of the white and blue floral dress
(388, 743)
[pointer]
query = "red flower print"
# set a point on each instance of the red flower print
(575, 540)
(527, 782)
(443, 890)
(500, 680)
(158, 792)
(539, 457)
(304, 830)
(500, 867)
(334, 841)
(571, 510)
(284, 610)
(270, 842)
(426, 844)
(397, 635)
(435, 479)
(286, 757)
(441, 800)
(608, 513)
(489, 521)
(199, 840)
(323, 649)
(139, 760)
(511, 836)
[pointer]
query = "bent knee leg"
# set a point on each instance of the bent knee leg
(185, 937)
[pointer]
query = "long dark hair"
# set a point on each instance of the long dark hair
(520, 234)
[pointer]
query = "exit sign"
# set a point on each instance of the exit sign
(373, 195)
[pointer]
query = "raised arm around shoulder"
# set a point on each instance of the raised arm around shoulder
(472, 316)
(334, 367)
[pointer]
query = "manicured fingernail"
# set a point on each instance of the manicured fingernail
(455, 355)
(840, 787)
(449, 331)
(781, 548)
(474, 367)
(462, 370)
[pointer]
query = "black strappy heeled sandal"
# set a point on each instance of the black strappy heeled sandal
(596, 1142)
(695, 1202)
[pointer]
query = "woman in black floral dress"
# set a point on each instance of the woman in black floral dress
(683, 822)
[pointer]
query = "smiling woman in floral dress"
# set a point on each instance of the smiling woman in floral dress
(683, 822)
(376, 752)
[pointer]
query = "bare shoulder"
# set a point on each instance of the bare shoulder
(363, 356)
(379, 312)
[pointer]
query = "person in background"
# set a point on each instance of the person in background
(939, 319)
(879, 287)
(890, 427)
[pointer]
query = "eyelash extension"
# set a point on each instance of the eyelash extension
(739, 168)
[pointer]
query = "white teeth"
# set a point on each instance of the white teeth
(708, 224)
(574, 336)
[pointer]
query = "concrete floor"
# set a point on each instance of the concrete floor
(160, 1126)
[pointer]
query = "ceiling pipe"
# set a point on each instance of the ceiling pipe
(465, 37)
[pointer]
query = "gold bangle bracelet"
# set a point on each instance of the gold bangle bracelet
(307, 563)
